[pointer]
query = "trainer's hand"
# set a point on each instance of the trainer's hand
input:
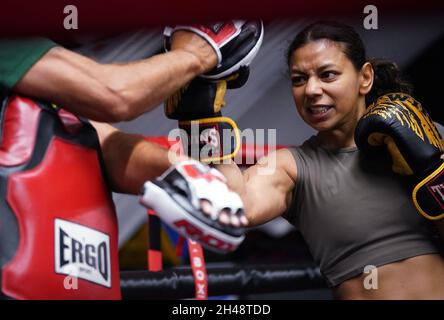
(197, 46)
(235, 42)
(194, 199)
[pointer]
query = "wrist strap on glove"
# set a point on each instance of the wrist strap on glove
(428, 195)
(206, 135)
(210, 140)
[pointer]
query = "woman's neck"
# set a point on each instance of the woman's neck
(337, 139)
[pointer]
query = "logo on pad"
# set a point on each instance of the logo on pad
(82, 252)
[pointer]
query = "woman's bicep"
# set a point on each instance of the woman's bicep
(269, 187)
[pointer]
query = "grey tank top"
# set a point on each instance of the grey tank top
(353, 211)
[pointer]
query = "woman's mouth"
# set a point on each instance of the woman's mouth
(319, 110)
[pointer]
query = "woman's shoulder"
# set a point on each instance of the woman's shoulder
(308, 148)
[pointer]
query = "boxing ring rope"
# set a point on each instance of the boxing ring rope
(178, 283)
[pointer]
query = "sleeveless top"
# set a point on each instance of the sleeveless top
(354, 211)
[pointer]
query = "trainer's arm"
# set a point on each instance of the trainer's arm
(116, 92)
(130, 160)
(265, 188)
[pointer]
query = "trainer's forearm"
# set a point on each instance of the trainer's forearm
(130, 160)
(146, 84)
(108, 93)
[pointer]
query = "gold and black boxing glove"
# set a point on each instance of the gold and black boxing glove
(206, 135)
(399, 123)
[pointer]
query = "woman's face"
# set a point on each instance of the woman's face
(325, 85)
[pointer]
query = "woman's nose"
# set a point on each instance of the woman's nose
(313, 87)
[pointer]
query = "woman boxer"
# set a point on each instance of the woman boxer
(354, 213)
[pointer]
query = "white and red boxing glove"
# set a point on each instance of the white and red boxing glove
(236, 43)
(178, 197)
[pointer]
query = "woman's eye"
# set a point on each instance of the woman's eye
(329, 75)
(297, 80)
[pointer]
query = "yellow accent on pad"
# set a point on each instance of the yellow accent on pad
(234, 76)
(418, 186)
(236, 136)
(399, 165)
(221, 89)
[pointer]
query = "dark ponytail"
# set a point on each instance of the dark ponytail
(387, 76)
(387, 79)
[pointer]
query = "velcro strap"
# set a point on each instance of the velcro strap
(428, 195)
(210, 140)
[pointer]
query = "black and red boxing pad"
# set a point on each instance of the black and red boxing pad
(236, 43)
(177, 195)
(399, 123)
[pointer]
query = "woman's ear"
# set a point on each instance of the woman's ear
(366, 78)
